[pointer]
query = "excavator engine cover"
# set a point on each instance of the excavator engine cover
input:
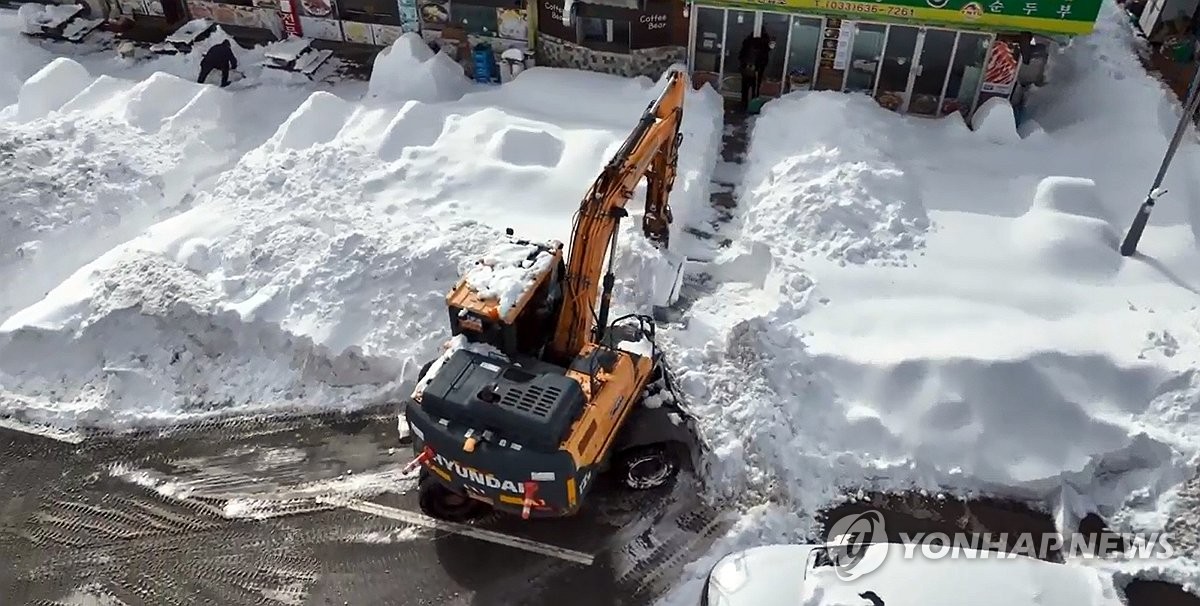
(487, 393)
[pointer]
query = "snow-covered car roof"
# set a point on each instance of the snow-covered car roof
(784, 575)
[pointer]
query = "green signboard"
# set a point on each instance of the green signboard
(1056, 17)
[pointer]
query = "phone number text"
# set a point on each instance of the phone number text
(866, 8)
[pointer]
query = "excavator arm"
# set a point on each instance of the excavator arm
(651, 151)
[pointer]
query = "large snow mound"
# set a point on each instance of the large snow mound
(410, 70)
(814, 191)
(94, 168)
(1018, 353)
(312, 274)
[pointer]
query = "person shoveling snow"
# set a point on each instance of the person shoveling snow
(221, 57)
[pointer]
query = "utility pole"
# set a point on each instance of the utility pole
(1129, 246)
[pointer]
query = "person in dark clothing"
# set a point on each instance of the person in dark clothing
(218, 57)
(753, 57)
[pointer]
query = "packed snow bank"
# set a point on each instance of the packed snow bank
(90, 163)
(996, 121)
(313, 274)
(51, 87)
(819, 192)
(410, 70)
(1017, 353)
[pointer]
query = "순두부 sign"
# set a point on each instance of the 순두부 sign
(1070, 17)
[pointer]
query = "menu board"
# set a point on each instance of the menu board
(835, 51)
(841, 56)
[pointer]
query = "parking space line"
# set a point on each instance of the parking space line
(419, 519)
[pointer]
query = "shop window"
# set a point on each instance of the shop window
(369, 11)
(610, 35)
(739, 25)
(802, 52)
(865, 55)
(710, 27)
(965, 73)
(476, 20)
(775, 27)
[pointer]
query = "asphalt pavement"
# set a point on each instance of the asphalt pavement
(306, 511)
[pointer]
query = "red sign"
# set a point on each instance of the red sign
(290, 18)
(1001, 71)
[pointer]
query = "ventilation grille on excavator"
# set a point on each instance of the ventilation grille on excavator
(534, 399)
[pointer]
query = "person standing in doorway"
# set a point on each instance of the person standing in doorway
(753, 57)
(219, 57)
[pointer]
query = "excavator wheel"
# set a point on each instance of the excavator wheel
(646, 467)
(439, 502)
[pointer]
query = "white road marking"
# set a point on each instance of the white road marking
(412, 517)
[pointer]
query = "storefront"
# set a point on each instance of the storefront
(923, 57)
(372, 22)
(623, 37)
(378, 22)
(457, 26)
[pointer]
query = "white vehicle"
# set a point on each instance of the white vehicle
(806, 575)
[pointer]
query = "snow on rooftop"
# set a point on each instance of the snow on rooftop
(506, 271)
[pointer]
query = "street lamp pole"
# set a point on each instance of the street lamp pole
(1129, 246)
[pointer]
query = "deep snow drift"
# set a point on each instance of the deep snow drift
(309, 271)
(945, 309)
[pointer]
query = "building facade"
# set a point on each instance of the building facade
(622, 37)
(923, 57)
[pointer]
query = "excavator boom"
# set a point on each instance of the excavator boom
(651, 151)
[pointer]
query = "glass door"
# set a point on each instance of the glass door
(709, 40)
(966, 73)
(775, 27)
(897, 63)
(739, 25)
(803, 45)
(933, 67)
(865, 51)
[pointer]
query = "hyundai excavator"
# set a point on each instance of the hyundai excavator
(536, 392)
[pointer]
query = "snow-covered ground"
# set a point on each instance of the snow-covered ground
(945, 309)
(187, 251)
(907, 303)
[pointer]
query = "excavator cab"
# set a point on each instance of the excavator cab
(536, 392)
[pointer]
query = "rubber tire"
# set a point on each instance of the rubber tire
(631, 465)
(441, 503)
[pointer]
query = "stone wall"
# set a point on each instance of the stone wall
(650, 62)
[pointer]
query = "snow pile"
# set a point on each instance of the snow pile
(508, 270)
(312, 274)
(817, 191)
(995, 121)
(51, 87)
(91, 162)
(36, 16)
(1068, 229)
(410, 70)
(1018, 354)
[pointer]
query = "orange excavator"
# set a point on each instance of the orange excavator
(537, 393)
